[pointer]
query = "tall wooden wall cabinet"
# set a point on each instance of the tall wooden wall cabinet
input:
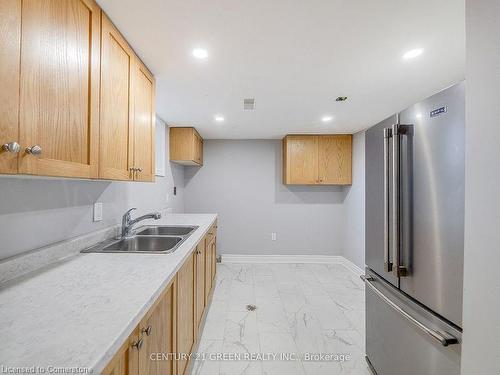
(75, 100)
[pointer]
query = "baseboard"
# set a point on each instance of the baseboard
(321, 259)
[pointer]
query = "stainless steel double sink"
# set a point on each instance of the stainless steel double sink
(162, 239)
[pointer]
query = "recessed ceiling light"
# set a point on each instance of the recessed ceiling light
(219, 118)
(411, 54)
(327, 118)
(418, 115)
(200, 53)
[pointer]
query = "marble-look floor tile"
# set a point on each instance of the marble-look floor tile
(241, 329)
(262, 270)
(281, 343)
(271, 316)
(330, 315)
(301, 309)
(233, 366)
(241, 295)
(206, 363)
(265, 287)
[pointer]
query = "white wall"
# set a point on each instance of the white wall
(354, 206)
(481, 321)
(35, 211)
(241, 181)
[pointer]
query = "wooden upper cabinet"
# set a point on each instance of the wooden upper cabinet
(117, 111)
(186, 146)
(10, 54)
(144, 124)
(317, 159)
(300, 159)
(59, 88)
(335, 159)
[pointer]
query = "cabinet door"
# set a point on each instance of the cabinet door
(10, 54)
(144, 124)
(198, 147)
(335, 159)
(185, 312)
(117, 112)
(126, 361)
(214, 259)
(301, 160)
(59, 87)
(157, 333)
(200, 282)
(208, 269)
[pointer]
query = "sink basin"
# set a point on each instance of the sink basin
(147, 240)
(165, 230)
(140, 244)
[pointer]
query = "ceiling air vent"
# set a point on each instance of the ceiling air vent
(248, 104)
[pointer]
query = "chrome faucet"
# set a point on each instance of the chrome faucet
(127, 223)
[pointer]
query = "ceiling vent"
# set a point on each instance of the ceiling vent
(248, 104)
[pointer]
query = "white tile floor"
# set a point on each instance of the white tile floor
(301, 308)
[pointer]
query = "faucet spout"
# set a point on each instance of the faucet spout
(127, 223)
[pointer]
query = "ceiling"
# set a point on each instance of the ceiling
(294, 57)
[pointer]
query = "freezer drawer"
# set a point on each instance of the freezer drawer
(396, 346)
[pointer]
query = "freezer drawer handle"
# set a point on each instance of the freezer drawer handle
(443, 337)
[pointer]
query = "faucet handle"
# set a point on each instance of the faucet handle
(126, 215)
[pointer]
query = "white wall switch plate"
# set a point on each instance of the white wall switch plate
(98, 211)
(273, 236)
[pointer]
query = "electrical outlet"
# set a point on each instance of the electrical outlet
(273, 236)
(98, 211)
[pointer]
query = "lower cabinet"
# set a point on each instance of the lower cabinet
(165, 337)
(154, 335)
(157, 332)
(185, 313)
(200, 283)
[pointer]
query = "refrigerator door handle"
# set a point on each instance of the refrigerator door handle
(387, 257)
(398, 269)
(443, 337)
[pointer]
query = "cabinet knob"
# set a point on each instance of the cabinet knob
(148, 330)
(138, 344)
(13, 147)
(34, 150)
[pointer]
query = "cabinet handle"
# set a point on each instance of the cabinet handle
(11, 147)
(138, 344)
(138, 169)
(34, 150)
(148, 330)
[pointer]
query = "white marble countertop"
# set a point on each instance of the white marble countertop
(77, 313)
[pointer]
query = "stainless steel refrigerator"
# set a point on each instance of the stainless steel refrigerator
(414, 237)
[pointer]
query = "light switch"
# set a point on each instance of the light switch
(273, 236)
(98, 211)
